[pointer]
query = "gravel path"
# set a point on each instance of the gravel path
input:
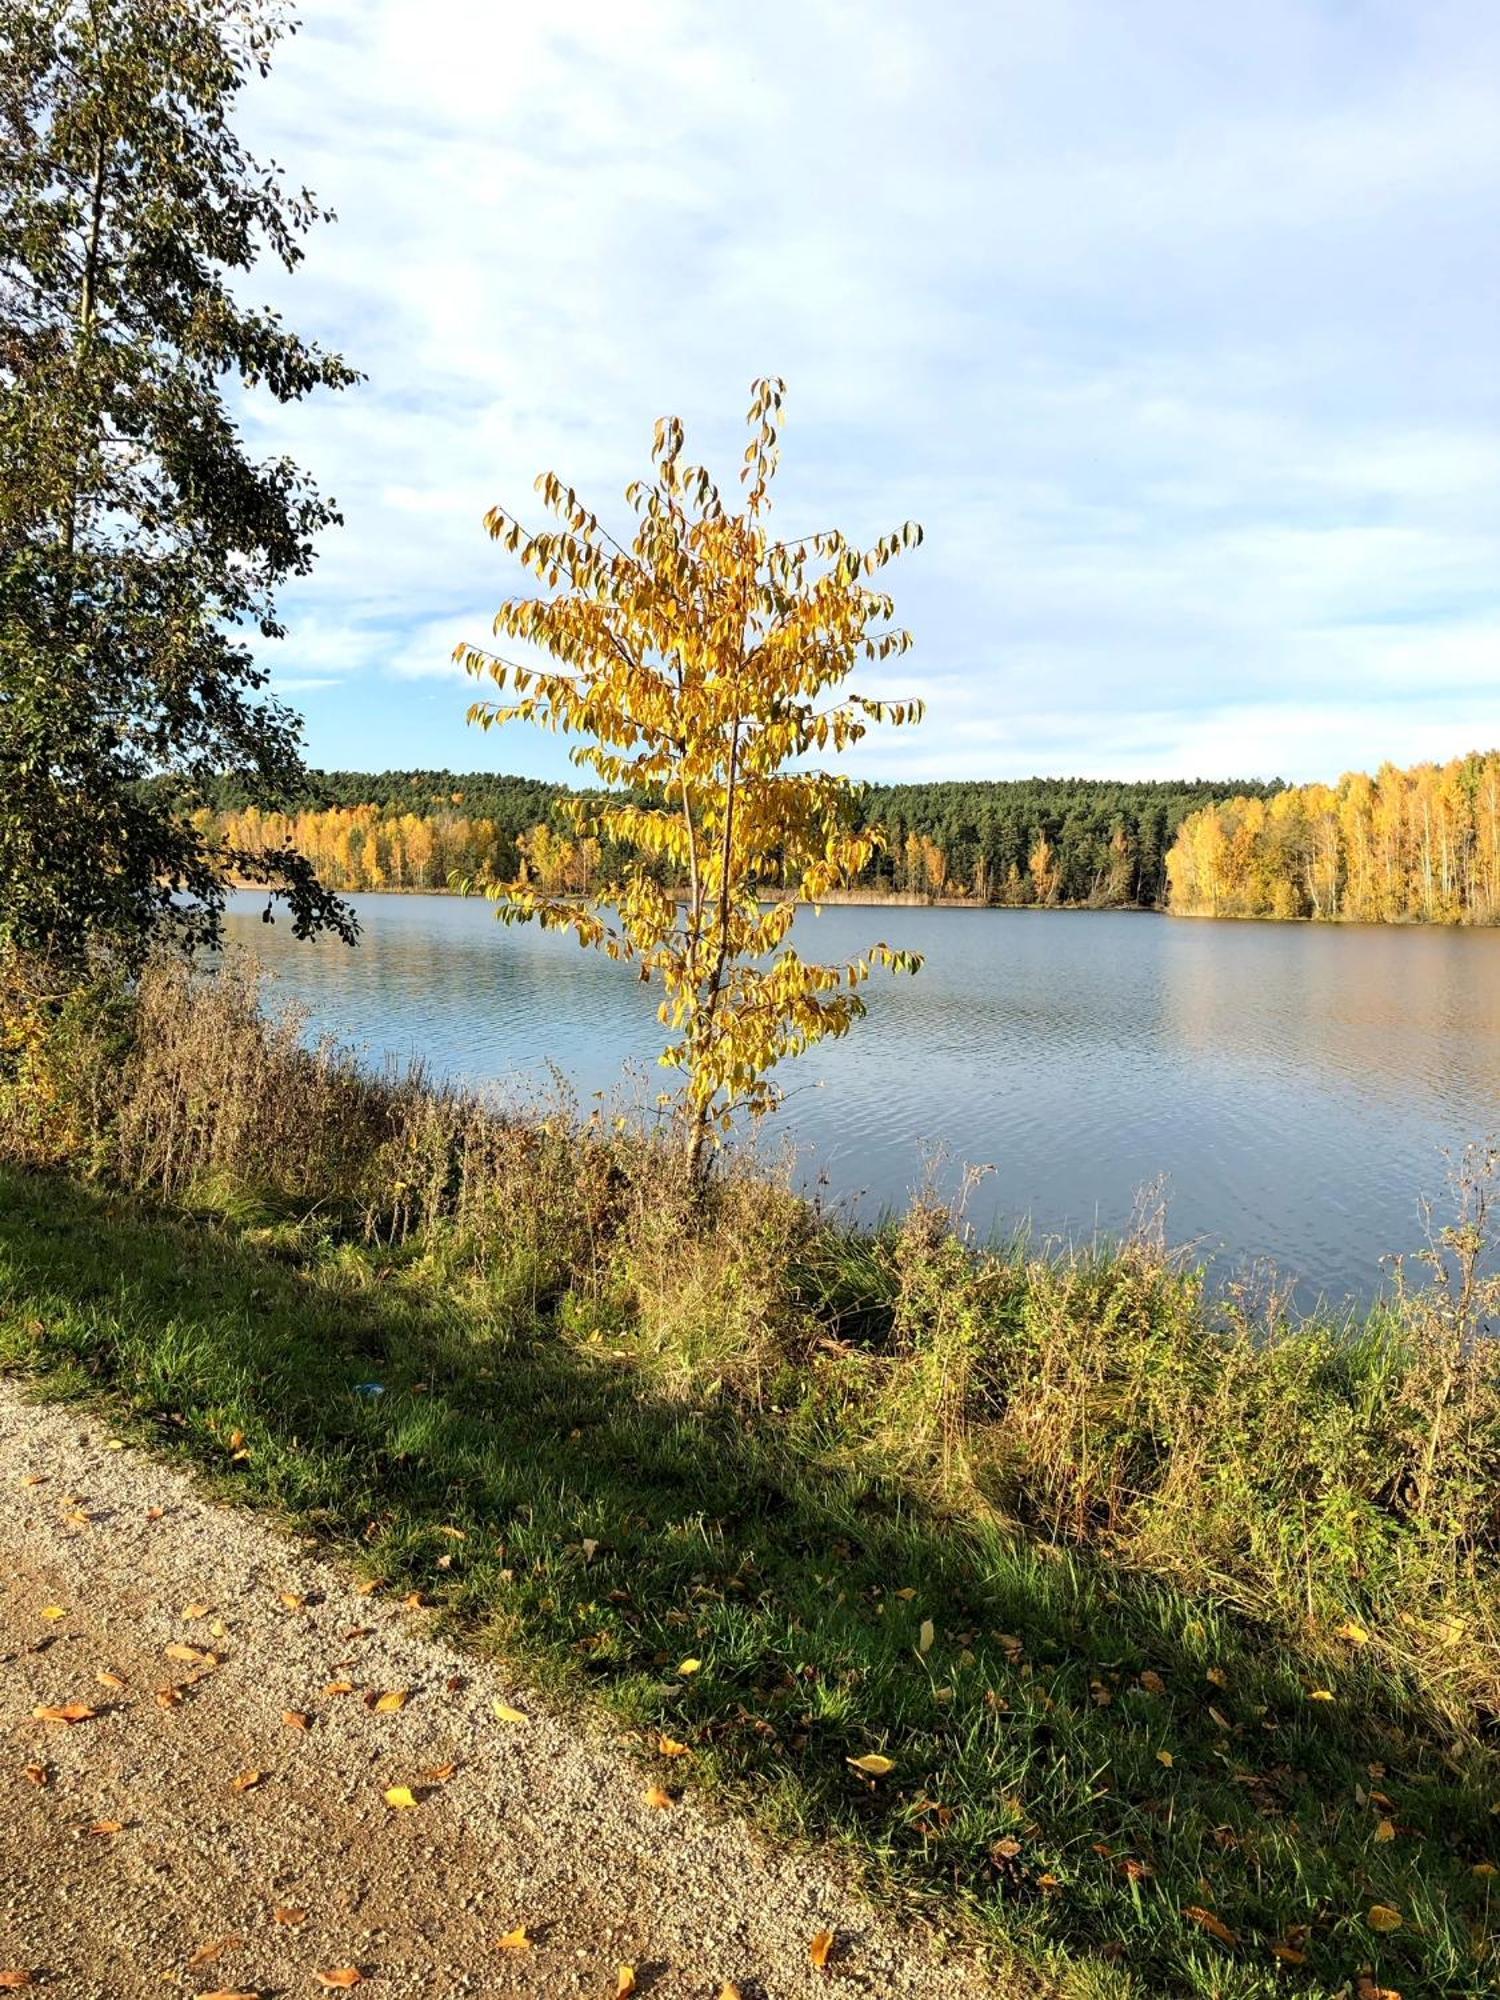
(136, 1858)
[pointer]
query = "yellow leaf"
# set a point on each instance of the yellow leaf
(1165, 1757)
(284, 1914)
(668, 1746)
(54, 1611)
(13, 1980)
(517, 1940)
(401, 1795)
(108, 1678)
(38, 1774)
(440, 1774)
(1381, 1917)
(508, 1714)
(66, 1711)
(338, 1687)
(198, 1656)
(873, 1764)
(1319, 1694)
(295, 1600)
(625, 1982)
(341, 1977)
(105, 1827)
(196, 1610)
(296, 1718)
(1354, 1633)
(689, 1666)
(1385, 1831)
(926, 1636)
(387, 1704)
(247, 1781)
(820, 1948)
(657, 1796)
(1485, 1870)
(729, 1991)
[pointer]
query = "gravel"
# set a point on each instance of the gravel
(542, 1824)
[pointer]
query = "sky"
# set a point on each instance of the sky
(1175, 326)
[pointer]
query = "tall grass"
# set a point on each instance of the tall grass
(1335, 1480)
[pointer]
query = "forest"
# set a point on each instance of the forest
(1420, 845)
(1045, 841)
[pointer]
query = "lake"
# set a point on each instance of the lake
(1295, 1085)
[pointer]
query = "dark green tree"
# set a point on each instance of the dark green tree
(141, 543)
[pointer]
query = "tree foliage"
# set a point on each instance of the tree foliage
(141, 544)
(1414, 846)
(699, 667)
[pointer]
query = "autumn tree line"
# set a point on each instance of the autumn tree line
(1420, 845)
(1050, 842)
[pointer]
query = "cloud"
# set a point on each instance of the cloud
(1174, 326)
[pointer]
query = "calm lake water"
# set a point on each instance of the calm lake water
(1296, 1086)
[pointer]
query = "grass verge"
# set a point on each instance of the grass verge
(1136, 1786)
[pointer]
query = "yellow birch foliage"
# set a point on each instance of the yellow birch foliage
(700, 667)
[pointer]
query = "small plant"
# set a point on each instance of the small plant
(702, 666)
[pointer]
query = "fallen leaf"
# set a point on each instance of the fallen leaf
(1216, 1677)
(196, 1656)
(415, 1601)
(1381, 1917)
(905, 1595)
(296, 1718)
(228, 1993)
(387, 1704)
(168, 1697)
(401, 1795)
(35, 1479)
(196, 1610)
(369, 1587)
(104, 1827)
(1165, 1757)
(1385, 1831)
(1354, 1632)
(338, 1687)
(283, 1915)
(1485, 1870)
(517, 1940)
(440, 1773)
(1215, 1926)
(65, 1711)
(729, 1991)
(341, 1977)
(1289, 1954)
(1152, 1682)
(38, 1774)
(689, 1666)
(508, 1714)
(53, 1612)
(247, 1781)
(669, 1747)
(625, 1983)
(926, 1636)
(236, 1439)
(453, 1534)
(108, 1678)
(873, 1764)
(822, 1944)
(1319, 1694)
(12, 1981)
(295, 1600)
(656, 1796)
(207, 1953)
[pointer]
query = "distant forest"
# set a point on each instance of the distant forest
(1048, 841)
(1404, 846)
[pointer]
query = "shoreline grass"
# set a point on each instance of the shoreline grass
(1179, 1632)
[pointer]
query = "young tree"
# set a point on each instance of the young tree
(701, 665)
(139, 540)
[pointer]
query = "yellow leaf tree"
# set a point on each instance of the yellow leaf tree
(701, 667)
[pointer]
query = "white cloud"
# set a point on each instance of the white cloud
(1174, 326)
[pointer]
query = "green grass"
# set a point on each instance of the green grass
(610, 1531)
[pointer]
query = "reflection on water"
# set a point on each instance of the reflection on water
(1295, 1085)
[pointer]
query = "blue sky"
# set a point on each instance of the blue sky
(1176, 326)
